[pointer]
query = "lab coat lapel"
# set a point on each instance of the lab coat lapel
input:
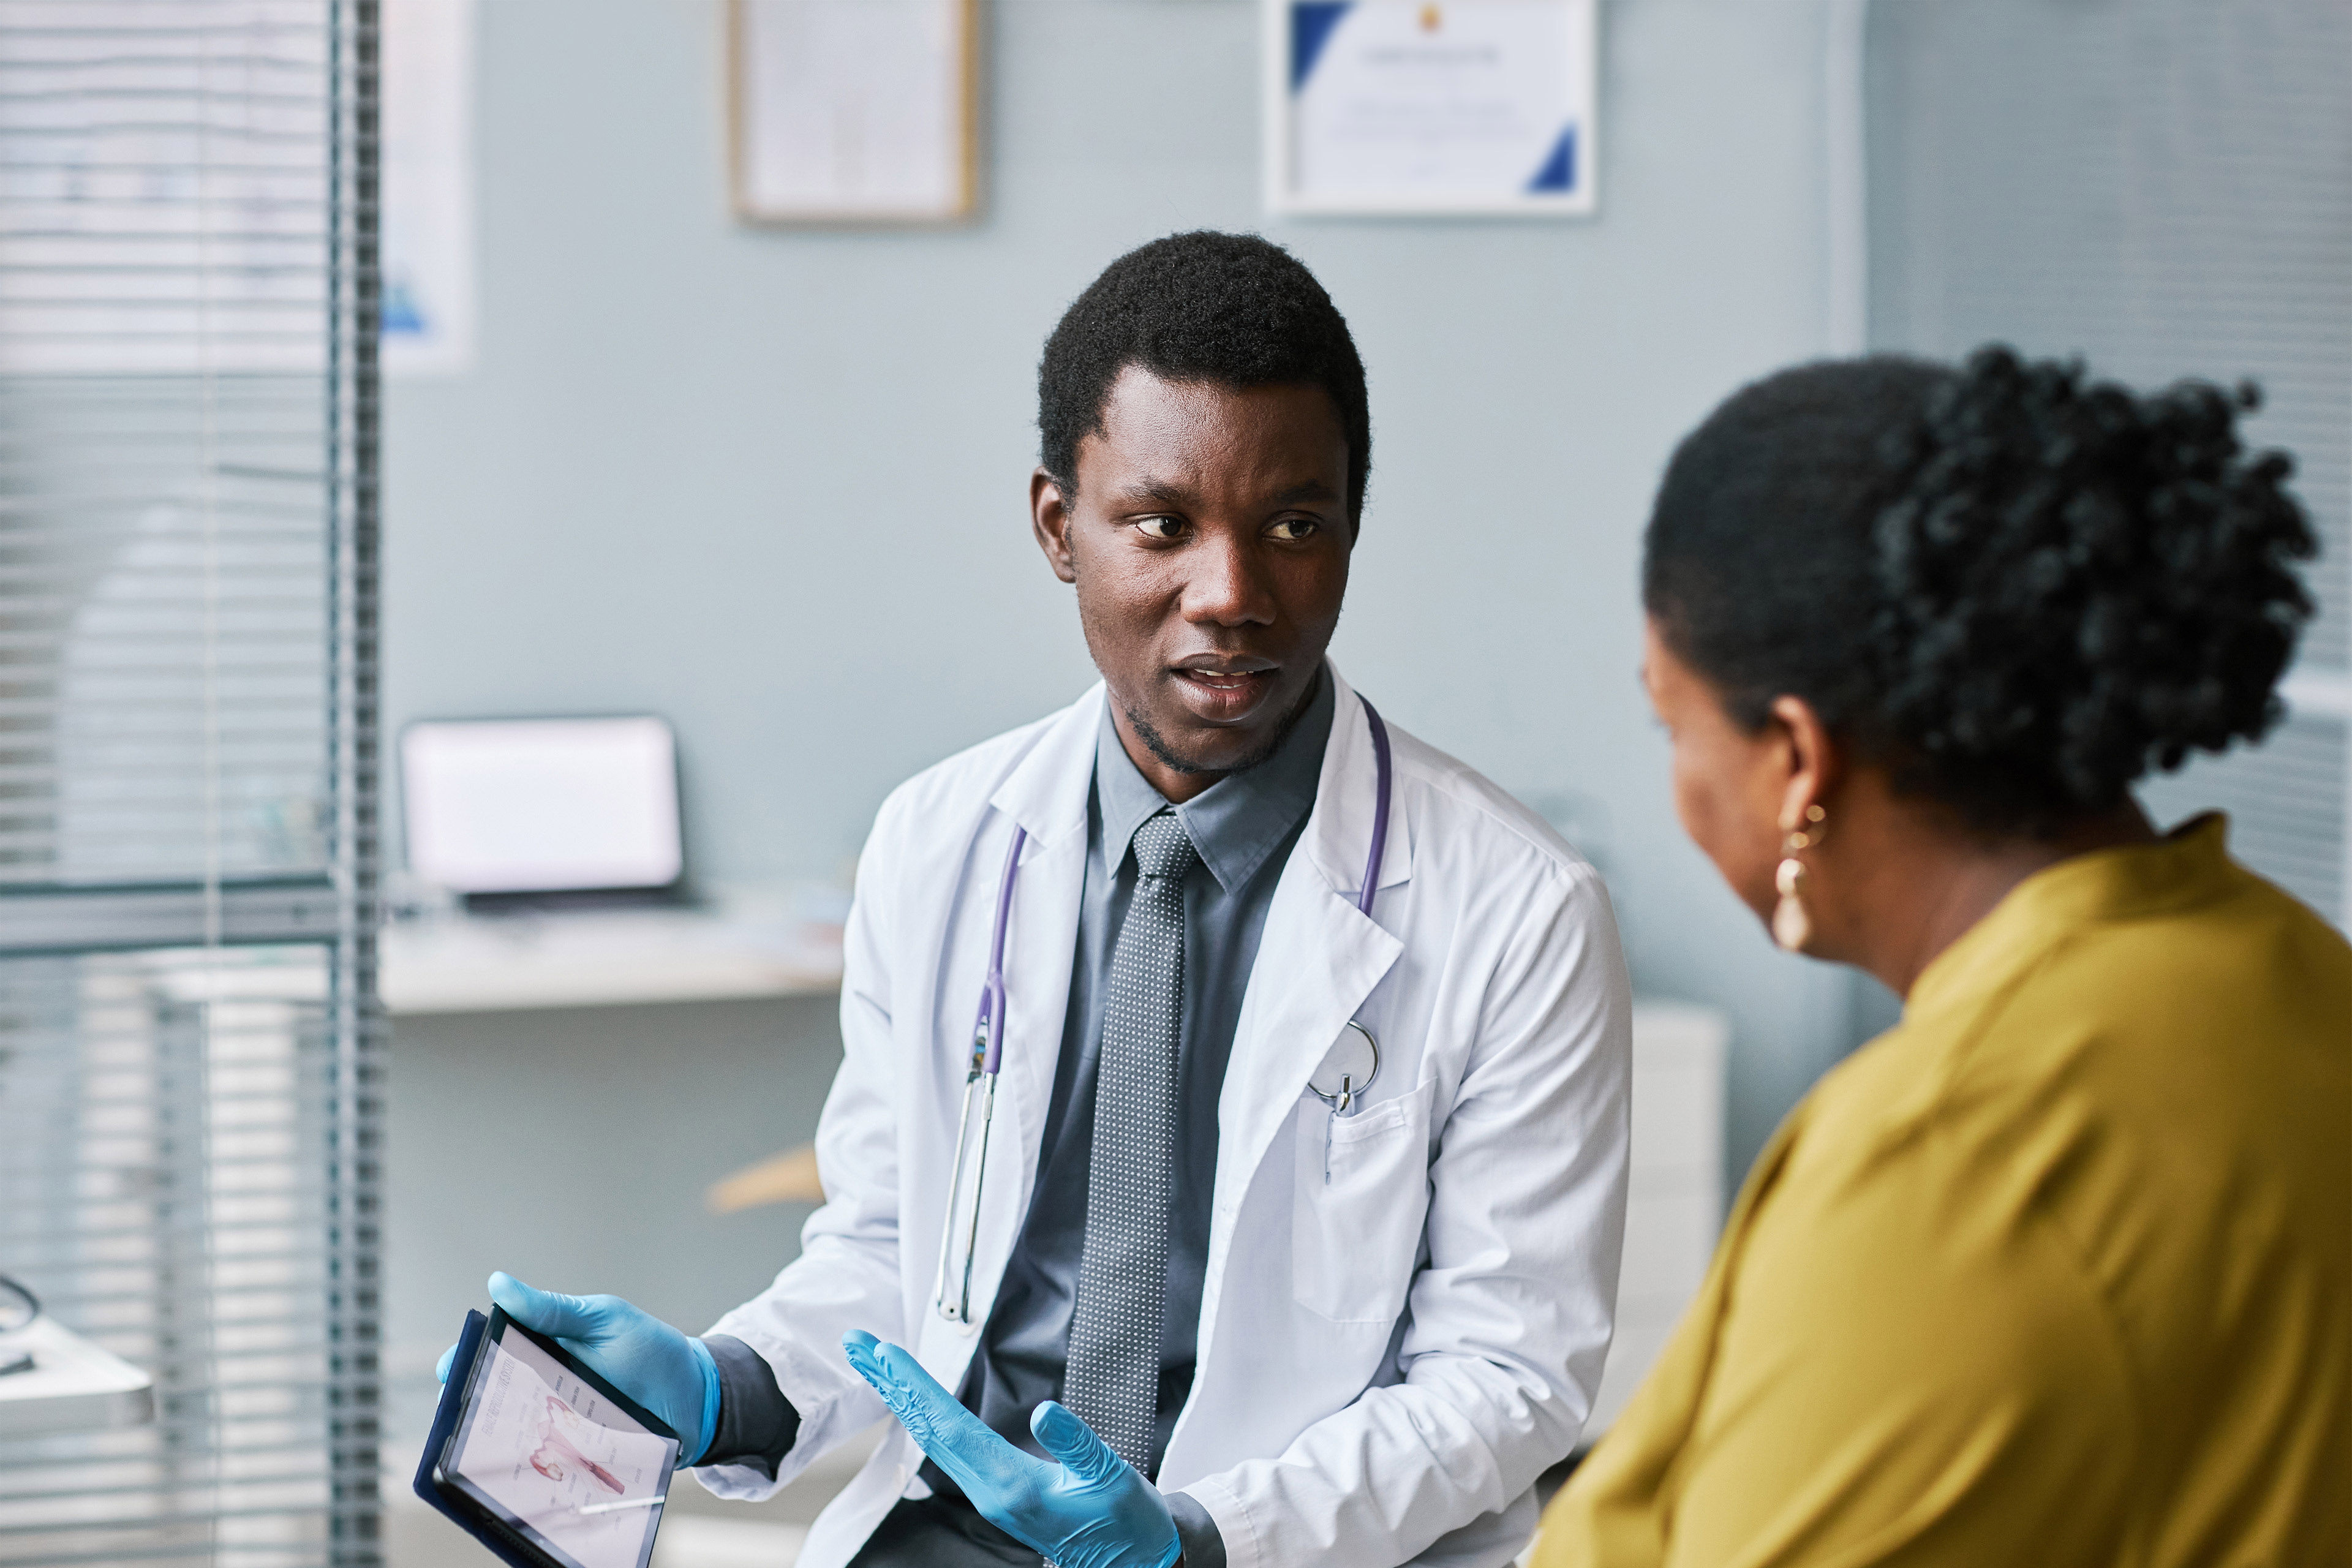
(1339, 831)
(1046, 795)
(1318, 960)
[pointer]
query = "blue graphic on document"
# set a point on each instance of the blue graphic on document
(1311, 25)
(402, 313)
(1558, 171)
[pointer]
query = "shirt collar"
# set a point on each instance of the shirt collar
(1236, 822)
(2187, 866)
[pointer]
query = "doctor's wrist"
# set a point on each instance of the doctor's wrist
(756, 1426)
(1199, 1545)
(708, 1431)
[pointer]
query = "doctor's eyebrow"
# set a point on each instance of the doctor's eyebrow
(1303, 491)
(1156, 492)
(1177, 497)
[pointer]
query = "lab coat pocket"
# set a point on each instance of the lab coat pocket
(1360, 1196)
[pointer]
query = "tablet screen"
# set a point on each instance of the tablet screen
(558, 1459)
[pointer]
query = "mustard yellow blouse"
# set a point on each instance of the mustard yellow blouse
(2057, 1271)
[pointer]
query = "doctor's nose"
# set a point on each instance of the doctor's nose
(1229, 585)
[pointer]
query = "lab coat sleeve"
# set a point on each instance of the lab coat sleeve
(846, 1275)
(1508, 1320)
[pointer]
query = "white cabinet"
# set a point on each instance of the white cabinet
(1675, 1201)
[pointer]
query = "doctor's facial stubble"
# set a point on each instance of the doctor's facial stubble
(1208, 538)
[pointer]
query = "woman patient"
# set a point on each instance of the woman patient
(2060, 1269)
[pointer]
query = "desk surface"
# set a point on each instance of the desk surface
(595, 959)
(601, 959)
(73, 1386)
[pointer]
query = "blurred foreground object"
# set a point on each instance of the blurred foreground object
(787, 1178)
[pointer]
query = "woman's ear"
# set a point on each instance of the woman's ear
(1815, 762)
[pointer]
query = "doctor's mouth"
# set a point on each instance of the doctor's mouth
(1225, 690)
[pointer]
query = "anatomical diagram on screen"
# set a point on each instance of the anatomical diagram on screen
(556, 1454)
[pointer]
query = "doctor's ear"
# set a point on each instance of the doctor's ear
(1049, 518)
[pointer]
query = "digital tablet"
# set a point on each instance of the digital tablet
(542, 1461)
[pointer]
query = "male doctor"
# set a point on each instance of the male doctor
(1214, 1316)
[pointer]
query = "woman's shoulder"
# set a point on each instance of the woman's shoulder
(2145, 1098)
(2214, 1028)
(2199, 1025)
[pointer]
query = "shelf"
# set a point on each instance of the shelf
(74, 1386)
(617, 958)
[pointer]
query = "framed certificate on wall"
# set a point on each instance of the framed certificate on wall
(854, 111)
(1463, 107)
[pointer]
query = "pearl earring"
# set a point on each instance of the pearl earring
(1792, 923)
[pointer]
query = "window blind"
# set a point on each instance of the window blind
(189, 1043)
(2165, 187)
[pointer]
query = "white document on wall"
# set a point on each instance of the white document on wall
(163, 167)
(166, 169)
(854, 111)
(428, 187)
(1430, 106)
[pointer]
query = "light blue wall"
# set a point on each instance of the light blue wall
(772, 484)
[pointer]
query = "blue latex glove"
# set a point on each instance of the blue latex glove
(669, 1374)
(1091, 1510)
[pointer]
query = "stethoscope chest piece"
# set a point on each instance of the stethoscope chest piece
(1347, 1069)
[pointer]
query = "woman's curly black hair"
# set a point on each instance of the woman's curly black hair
(2016, 588)
(1232, 309)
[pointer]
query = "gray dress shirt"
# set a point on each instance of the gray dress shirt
(1244, 827)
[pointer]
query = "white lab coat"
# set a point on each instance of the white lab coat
(1388, 1358)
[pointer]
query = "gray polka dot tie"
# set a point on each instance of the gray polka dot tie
(1113, 1383)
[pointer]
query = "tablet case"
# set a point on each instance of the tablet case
(509, 1548)
(445, 1426)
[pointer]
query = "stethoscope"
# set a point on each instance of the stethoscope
(988, 1041)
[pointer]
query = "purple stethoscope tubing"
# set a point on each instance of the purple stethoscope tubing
(987, 1052)
(1380, 813)
(988, 1029)
(989, 1026)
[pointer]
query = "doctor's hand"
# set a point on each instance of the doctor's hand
(669, 1374)
(1091, 1510)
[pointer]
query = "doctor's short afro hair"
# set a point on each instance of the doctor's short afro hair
(1232, 310)
(2017, 588)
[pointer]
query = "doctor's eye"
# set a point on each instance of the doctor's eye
(1161, 528)
(1292, 530)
